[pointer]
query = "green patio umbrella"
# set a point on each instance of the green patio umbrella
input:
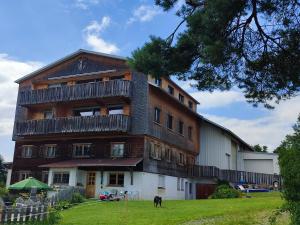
(28, 184)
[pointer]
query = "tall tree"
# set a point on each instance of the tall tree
(2, 171)
(250, 44)
(289, 162)
(259, 148)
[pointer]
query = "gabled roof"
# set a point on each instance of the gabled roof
(74, 54)
(228, 132)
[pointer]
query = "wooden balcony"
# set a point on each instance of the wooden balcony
(233, 176)
(66, 93)
(65, 125)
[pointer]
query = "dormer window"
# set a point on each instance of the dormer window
(181, 98)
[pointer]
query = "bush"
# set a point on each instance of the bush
(77, 198)
(62, 205)
(3, 191)
(225, 191)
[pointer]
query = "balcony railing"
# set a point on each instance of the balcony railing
(110, 123)
(76, 92)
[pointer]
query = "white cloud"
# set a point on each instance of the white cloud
(267, 130)
(85, 4)
(92, 36)
(144, 13)
(217, 98)
(10, 70)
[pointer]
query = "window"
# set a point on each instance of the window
(168, 154)
(117, 78)
(24, 175)
(190, 104)
(170, 122)
(178, 184)
(181, 98)
(117, 149)
(157, 115)
(170, 90)
(57, 85)
(157, 81)
(161, 181)
(48, 114)
(180, 127)
(50, 151)
(61, 178)
(182, 184)
(45, 175)
(155, 151)
(113, 110)
(81, 150)
(181, 158)
(27, 151)
(88, 81)
(89, 111)
(116, 179)
(190, 133)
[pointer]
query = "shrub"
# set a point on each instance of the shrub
(62, 205)
(225, 191)
(3, 191)
(77, 198)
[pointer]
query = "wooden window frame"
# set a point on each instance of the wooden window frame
(61, 173)
(181, 98)
(181, 128)
(171, 90)
(82, 145)
(191, 104)
(25, 156)
(111, 149)
(46, 151)
(169, 116)
(157, 112)
(190, 133)
(27, 174)
(117, 179)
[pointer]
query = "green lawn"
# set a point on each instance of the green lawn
(255, 210)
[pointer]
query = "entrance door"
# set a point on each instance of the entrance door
(90, 184)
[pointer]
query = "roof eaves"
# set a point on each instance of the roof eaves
(65, 59)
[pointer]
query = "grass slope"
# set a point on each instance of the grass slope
(254, 210)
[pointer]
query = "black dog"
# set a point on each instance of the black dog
(157, 201)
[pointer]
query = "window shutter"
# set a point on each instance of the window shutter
(42, 151)
(93, 151)
(20, 153)
(70, 150)
(35, 152)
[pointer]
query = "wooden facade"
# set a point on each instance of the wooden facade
(123, 106)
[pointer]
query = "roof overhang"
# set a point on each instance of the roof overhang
(129, 162)
(80, 51)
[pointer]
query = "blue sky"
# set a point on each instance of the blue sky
(35, 33)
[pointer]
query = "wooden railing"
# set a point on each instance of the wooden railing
(111, 123)
(76, 92)
(233, 176)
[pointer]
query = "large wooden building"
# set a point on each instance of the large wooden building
(89, 120)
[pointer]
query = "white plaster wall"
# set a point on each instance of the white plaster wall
(260, 162)
(71, 171)
(8, 177)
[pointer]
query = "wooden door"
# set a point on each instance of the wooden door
(203, 191)
(90, 184)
